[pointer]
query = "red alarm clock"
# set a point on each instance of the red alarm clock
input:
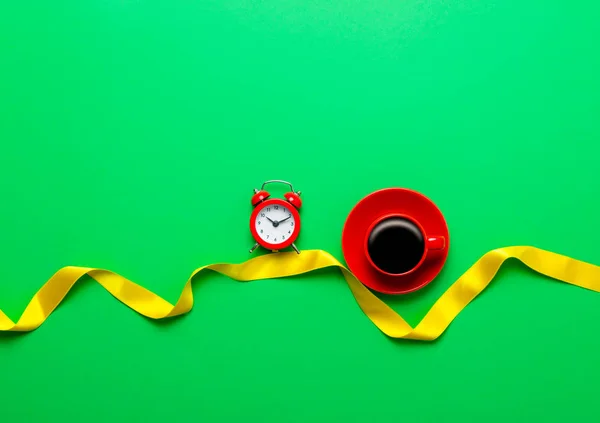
(275, 222)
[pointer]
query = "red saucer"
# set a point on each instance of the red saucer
(377, 205)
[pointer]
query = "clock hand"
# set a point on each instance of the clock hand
(281, 221)
(274, 222)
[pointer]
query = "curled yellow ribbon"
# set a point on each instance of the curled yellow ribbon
(280, 265)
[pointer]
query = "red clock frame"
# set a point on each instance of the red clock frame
(275, 202)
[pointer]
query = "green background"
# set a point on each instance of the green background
(132, 133)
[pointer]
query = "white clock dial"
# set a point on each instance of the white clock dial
(275, 224)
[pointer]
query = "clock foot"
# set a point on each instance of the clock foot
(254, 248)
(295, 249)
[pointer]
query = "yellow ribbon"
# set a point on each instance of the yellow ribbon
(279, 265)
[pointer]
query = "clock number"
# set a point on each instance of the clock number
(259, 222)
(268, 209)
(291, 223)
(289, 215)
(261, 231)
(289, 232)
(267, 236)
(276, 207)
(282, 237)
(275, 239)
(262, 215)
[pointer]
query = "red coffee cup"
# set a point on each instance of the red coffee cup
(397, 245)
(395, 241)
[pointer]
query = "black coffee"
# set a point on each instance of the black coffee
(396, 245)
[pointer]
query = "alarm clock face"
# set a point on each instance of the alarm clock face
(275, 224)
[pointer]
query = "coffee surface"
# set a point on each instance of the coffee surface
(396, 245)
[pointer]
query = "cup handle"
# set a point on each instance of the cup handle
(436, 242)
